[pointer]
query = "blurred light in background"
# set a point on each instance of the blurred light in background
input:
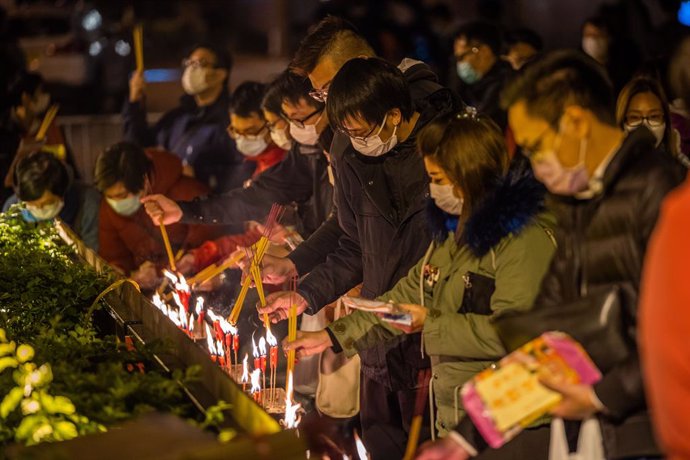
(684, 13)
(92, 20)
(162, 75)
(122, 48)
(95, 48)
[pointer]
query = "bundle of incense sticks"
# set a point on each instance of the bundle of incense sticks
(420, 404)
(258, 251)
(214, 270)
(292, 327)
(47, 121)
(138, 36)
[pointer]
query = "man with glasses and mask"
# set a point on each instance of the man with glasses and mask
(195, 131)
(294, 118)
(249, 128)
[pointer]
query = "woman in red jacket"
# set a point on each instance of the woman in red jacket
(128, 239)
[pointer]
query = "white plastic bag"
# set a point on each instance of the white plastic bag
(589, 444)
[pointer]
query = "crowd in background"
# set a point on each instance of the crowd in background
(459, 170)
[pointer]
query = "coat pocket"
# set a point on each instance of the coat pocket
(477, 296)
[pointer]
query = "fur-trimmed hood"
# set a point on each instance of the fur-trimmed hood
(513, 205)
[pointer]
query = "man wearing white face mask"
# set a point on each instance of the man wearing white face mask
(249, 128)
(128, 240)
(45, 186)
(606, 191)
(196, 130)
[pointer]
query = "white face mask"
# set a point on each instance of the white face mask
(595, 47)
(194, 80)
(445, 199)
(306, 135)
(46, 212)
(373, 146)
(127, 206)
(658, 131)
(281, 139)
(251, 146)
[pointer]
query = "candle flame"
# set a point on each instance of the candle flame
(256, 381)
(270, 338)
(170, 275)
(262, 346)
(219, 348)
(245, 369)
(291, 419)
(255, 350)
(361, 450)
(209, 340)
(181, 284)
(199, 305)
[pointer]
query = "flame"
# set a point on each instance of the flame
(291, 420)
(209, 341)
(245, 369)
(219, 348)
(262, 346)
(361, 450)
(255, 350)
(171, 276)
(225, 326)
(182, 285)
(270, 338)
(199, 305)
(181, 315)
(158, 302)
(256, 381)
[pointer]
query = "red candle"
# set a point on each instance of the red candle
(274, 357)
(218, 330)
(228, 341)
(257, 363)
(236, 342)
(263, 364)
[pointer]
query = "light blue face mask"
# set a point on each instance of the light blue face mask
(127, 206)
(467, 73)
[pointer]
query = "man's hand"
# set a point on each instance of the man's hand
(277, 270)
(278, 305)
(137, 86)
(443, 449)
(186, 264)
(161, 209)
(146, 275)
(418, 318)
(277, 236)
(309, 343)
(579, 401)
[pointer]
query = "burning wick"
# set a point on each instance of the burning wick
(361, 450)
(256, 384)
(245, 372)
(209, 342)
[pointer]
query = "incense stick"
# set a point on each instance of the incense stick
(168, 249)
(47, 121)
(139, 47)
(420, 404)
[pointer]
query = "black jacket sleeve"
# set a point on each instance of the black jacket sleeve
(136, 128)
(316, 248)
(286, 182)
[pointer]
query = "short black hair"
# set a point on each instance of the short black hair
(366, 89)
(246, 99)
(559, 79)
(28, 83)
(291, 88)
(333, 36)
(39, 172)
(124, 162)
(481, 32)
(223, 57)
(524, 35)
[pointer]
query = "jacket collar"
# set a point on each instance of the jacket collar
(513, 205)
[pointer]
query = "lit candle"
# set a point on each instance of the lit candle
(245, 372)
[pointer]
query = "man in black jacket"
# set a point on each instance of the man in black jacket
(606, 190)
(195, 131)
(478, 73)
(301, 178)
(381, 191)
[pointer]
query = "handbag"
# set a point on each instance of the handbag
(337, 393)
(600, 322)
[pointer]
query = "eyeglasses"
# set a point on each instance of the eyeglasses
(363, 138)
(196, 63)
(300, 123)
(320, 94)
(252, 133)
(273, 126)
(635, 120)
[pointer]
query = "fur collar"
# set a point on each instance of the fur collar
(513, 205)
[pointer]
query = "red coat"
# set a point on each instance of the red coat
(269, 157)
(128, 241)
(665, 324)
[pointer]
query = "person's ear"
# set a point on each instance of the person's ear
(576, 122)
(217, 76)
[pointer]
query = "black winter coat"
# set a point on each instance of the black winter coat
(602, 242)
(301, 178)
(381, 213)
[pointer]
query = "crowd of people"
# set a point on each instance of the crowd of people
(529, 182)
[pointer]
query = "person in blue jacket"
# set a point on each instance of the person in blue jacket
(195, 131)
